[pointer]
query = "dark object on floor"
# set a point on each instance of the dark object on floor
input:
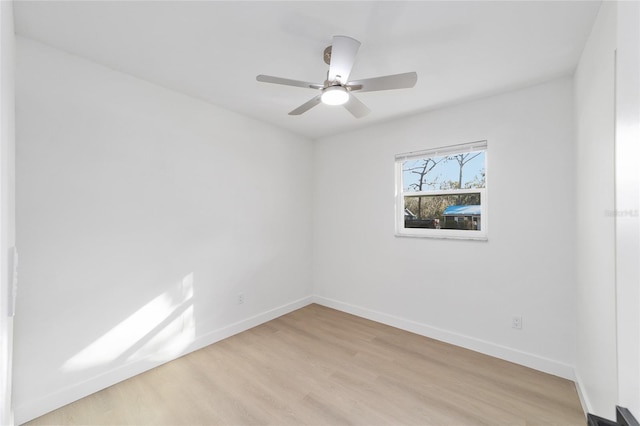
(623, 418)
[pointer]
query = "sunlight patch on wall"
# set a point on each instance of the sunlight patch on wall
(158, 330)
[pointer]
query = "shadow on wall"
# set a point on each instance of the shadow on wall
(158, 331)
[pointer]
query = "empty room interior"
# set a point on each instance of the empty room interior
(317, 212)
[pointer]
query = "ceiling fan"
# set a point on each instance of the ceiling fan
(338, 89)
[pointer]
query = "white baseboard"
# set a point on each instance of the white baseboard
(73, 392)
(526, 359)
(584, 401)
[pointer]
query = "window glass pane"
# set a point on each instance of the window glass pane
(443, 211)
(463, 170)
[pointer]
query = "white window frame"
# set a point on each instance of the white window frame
(401, 231)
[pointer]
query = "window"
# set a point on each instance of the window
(442, 192)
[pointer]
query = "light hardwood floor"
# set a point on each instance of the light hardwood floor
(324, 367)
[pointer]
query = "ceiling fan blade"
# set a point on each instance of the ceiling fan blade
(343, 54)
(288, 82)
(306, 106)
(355, 107)
(387, 82)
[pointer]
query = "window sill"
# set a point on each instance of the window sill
(443, 237)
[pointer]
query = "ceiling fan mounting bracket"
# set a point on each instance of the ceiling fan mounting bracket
(327, 55)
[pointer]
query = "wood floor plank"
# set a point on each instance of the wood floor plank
(319, 366)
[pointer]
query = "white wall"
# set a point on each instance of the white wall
(595, 272)
(627, 149)
(142, 213)
(464, 292)
(7, 202)
(607, 98)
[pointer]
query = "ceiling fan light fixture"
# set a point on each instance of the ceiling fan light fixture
(334, 95)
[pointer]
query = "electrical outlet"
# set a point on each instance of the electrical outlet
(240, 299)
(516, 322)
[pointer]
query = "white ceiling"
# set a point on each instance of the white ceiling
(213, 50)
